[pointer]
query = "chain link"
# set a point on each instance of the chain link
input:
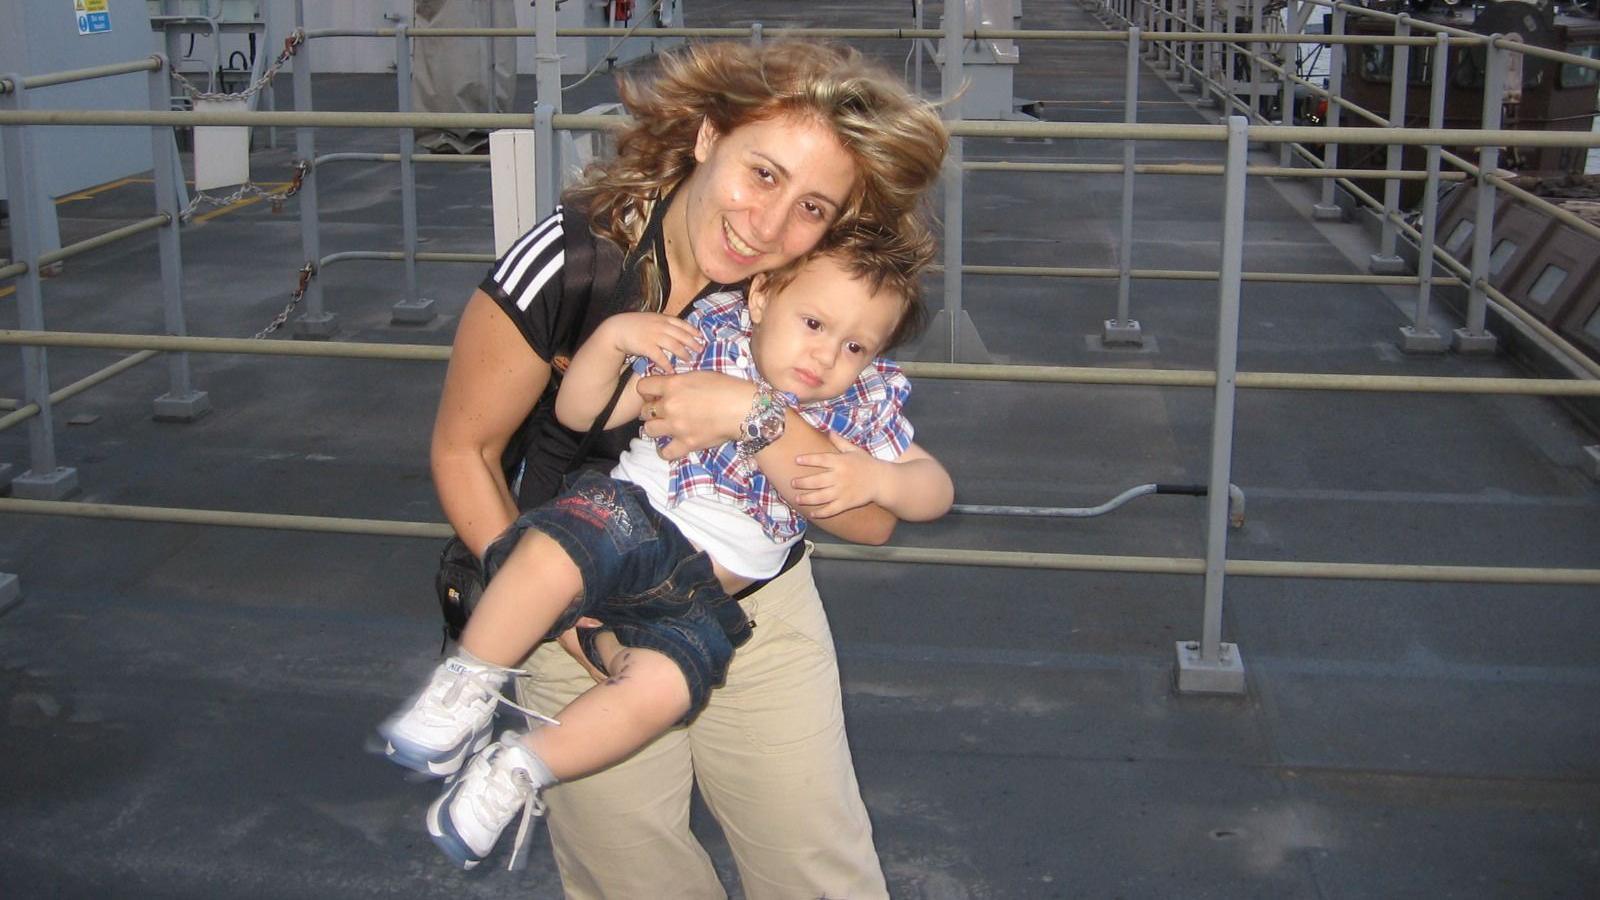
(290, 45)
(294, 301)
(276, 198)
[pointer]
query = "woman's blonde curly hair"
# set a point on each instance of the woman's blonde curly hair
(896, 140)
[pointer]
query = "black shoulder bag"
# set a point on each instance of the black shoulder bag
(460, 579)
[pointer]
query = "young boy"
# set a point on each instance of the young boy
(656, 551)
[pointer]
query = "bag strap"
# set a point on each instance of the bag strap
(582, 453)
(651, 240)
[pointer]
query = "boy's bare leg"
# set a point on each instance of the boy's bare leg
(645, 695)
(534, 586)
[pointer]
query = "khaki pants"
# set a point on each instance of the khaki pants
(773, 765)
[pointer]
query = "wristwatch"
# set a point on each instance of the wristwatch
(763, 424)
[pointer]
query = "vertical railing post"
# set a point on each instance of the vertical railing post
(1168, 31)
(1123, 328)
(1210, 665)
(1420, 336)
(1230, 52)
(1386, 261)
(1189, 49)
(954, 49)
(1151, 26)
(313, 321)
(45, 479)
(1291, 66)
(756, 34)
(1256, 49)
(412, 309)
(1208, 84)
(548, 80)
(1473, 338)
(486, 20)
(181, 403)
(1328, 209)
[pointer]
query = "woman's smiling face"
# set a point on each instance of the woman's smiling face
(762, 195)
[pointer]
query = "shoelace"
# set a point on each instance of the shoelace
(505, 788)
(463, 680)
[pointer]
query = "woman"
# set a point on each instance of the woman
(740, 160)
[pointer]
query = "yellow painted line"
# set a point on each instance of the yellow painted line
(89, 193)
(206, 217)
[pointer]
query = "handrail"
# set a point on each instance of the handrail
(951, 556)
(960, 128)
(1296, 381)
(68, 76)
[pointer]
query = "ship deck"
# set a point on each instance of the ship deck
(188, 709)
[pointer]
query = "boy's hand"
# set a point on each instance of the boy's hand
(653, 336)
(846, 479)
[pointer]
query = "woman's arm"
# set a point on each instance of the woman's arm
(704, 409)
(493, 382)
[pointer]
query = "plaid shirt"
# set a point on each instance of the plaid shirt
(868, 415)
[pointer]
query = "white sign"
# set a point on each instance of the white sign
(93, 17)
(221, 152)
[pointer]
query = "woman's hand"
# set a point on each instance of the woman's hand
(653, 336)
(845, 479)
(569, 642)
(697, 409)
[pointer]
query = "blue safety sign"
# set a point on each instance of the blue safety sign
(94, 22)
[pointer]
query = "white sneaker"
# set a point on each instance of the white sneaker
(466, 821)
(449, 721)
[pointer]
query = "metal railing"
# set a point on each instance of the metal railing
(1214, 667)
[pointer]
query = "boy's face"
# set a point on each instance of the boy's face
(817, 334)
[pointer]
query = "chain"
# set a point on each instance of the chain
(290, 45)
(294, 301)
(276, 198)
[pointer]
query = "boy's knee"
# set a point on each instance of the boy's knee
(661, 677)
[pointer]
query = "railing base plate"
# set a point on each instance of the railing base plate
(187, 408)
(1196, 676)
(318, 327)
(1469, 344)
(1421, 342)
(62, 482)
(1122, 333)
(1378, 264)
(412, 312)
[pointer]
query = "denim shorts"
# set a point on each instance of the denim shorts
(641, 577)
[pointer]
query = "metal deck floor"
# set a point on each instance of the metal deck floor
(185, 708)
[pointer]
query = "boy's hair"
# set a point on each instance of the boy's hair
(886, 263)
